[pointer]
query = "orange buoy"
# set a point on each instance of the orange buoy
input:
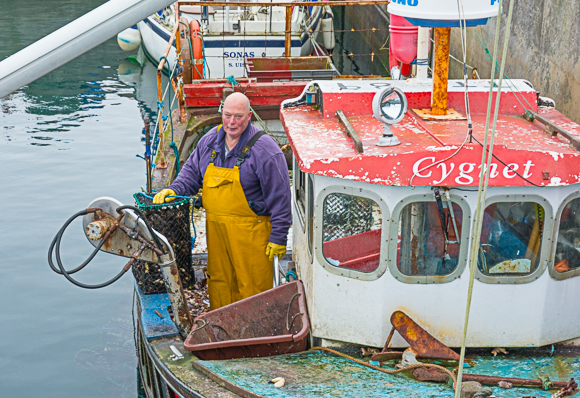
(197, 50)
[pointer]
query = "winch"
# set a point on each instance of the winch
(123, 230)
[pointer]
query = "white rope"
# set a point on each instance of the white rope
(483, 182)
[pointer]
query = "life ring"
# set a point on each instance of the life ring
(185, 57)
(197, 49)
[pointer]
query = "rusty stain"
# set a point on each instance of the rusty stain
(425, 345)
(440, 71)
(546, 175)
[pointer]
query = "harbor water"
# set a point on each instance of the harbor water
(66, 139)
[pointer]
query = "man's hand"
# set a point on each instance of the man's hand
(160, 198)
(275, 250)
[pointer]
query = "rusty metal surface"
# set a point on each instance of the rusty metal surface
(288, 31)
(384, 356)
(430, 374)
(440, 71)
(424, 345)
(174, 288)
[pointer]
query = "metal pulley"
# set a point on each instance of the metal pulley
(115, 228)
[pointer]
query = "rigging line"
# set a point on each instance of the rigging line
(511, 86)
(439, 161)
(160, 114)
(463, 27)
(511, 168)
(466, 98)
(482, 189)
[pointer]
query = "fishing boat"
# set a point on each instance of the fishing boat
(220, 38)
(436, 235)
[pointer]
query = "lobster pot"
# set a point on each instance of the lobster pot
(173, 221)
(346, 215)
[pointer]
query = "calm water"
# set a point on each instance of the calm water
(65, 139)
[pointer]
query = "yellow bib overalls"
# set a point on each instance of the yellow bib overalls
(237, 265)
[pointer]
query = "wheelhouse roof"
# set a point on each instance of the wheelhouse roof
(526, 153)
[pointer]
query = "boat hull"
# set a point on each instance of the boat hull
(225, 54)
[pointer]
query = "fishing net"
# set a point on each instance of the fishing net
(346, 215)
(172, 220)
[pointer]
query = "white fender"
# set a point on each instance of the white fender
(129, 39)
(327, 27)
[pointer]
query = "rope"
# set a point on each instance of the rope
(389, 371)
(420, 61)
(173, 146)
(232, 80)
(488, 55)
(482, 189)
(262, 123)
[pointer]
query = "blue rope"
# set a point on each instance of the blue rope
(420, 61)
(173, 146)
(232, 81)
(166, 61)
(192, 200)
(289, 274)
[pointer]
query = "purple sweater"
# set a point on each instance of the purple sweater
(264, 176)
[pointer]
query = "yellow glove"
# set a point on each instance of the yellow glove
(159, 199)
(275, 250)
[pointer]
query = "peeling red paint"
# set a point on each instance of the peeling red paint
(322, 147)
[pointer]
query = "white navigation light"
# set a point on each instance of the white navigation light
(444, 13)
(389, 107)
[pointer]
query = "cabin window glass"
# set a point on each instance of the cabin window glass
(351, 234)
(568, 242)
(511, 238)
(300, 189)
(310, 214)
(428, 241)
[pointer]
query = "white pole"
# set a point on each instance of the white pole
(227, 18)
(73, 40)
(422, 52)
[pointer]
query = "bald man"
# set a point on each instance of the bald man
(246, 194)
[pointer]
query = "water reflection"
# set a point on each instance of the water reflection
(66, 139)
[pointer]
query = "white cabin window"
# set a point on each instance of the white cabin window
(568, 242)
(511, 239)
(351, 232)
(428, 244)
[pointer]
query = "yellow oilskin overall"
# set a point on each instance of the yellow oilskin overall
(237, 265)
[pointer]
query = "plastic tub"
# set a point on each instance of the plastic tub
(274, 322)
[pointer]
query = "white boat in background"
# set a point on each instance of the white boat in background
(230, 34)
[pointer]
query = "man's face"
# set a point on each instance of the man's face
(235, 117)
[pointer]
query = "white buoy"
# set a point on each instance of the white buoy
(327, 27)
(129, 39)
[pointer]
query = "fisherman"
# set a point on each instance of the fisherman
(246, 194)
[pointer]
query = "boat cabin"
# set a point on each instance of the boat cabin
(384, 228)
